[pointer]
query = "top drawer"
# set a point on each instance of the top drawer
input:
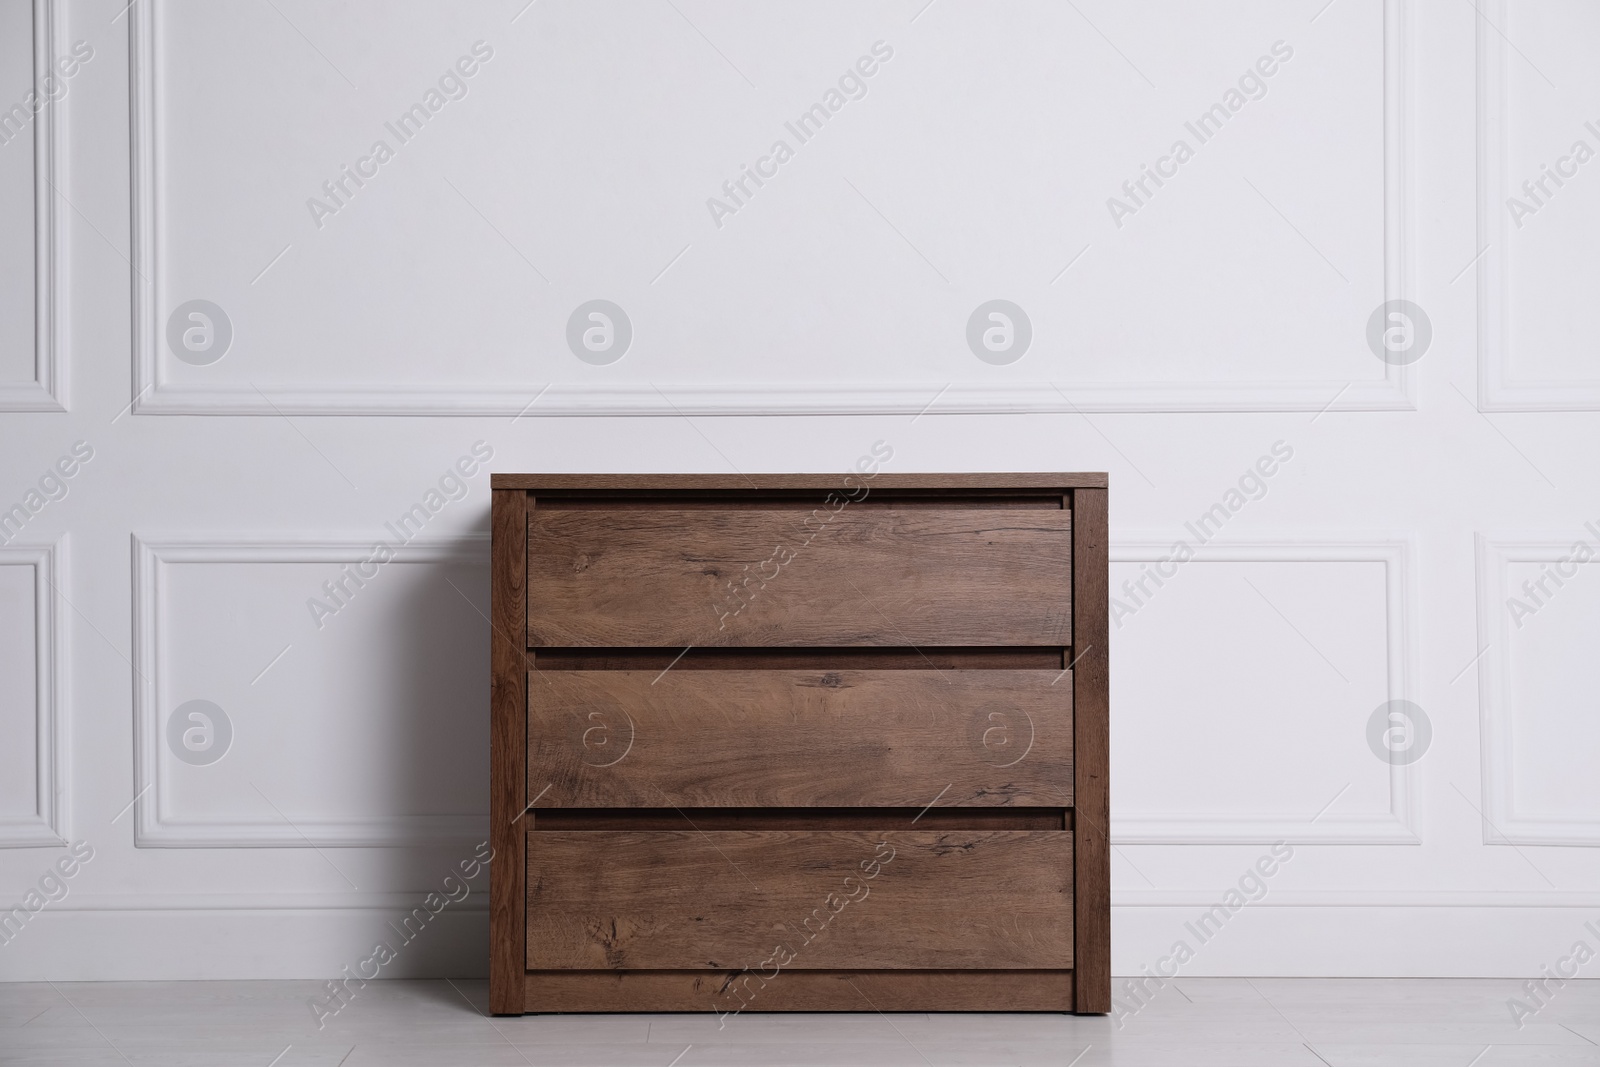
(661, 576)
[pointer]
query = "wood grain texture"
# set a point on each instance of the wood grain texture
(744, 483)
(808, 900)
(1092, 727)
(768, 738)
(661, 577)
(802, 639)
(734, 992)
(508, 746)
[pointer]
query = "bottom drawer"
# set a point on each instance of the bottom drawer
(799, 899)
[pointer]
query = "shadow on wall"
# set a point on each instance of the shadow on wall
(434, 755)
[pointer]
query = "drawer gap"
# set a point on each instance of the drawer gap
(1024, 657)
(863, 819)
(778, 500)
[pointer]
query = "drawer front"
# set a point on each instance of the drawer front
(662, 577)
(799, 900)
(786, 738)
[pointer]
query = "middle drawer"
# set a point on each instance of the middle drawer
(799, 738)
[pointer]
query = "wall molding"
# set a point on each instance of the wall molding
(1398, 824)
(1498, 387)
(47, 826)
(154, 393)
(604, 400)
(1362, 898)
(393, 901)
(156, 825)
(1120, 898)
(1503, 824)
(47, 390)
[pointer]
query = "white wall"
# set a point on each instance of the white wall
(372, 346)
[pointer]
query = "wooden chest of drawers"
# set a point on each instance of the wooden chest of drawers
(799, 743)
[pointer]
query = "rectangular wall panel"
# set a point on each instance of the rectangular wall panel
(1538, 206)
(340, 720)
(300, 193)
(1538, 610)
(1254, 730)
(31, 376)
(33, 759)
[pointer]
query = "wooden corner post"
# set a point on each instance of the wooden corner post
(508, 725)
(1091, 688)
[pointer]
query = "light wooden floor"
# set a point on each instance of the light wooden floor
(1218, 1022)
